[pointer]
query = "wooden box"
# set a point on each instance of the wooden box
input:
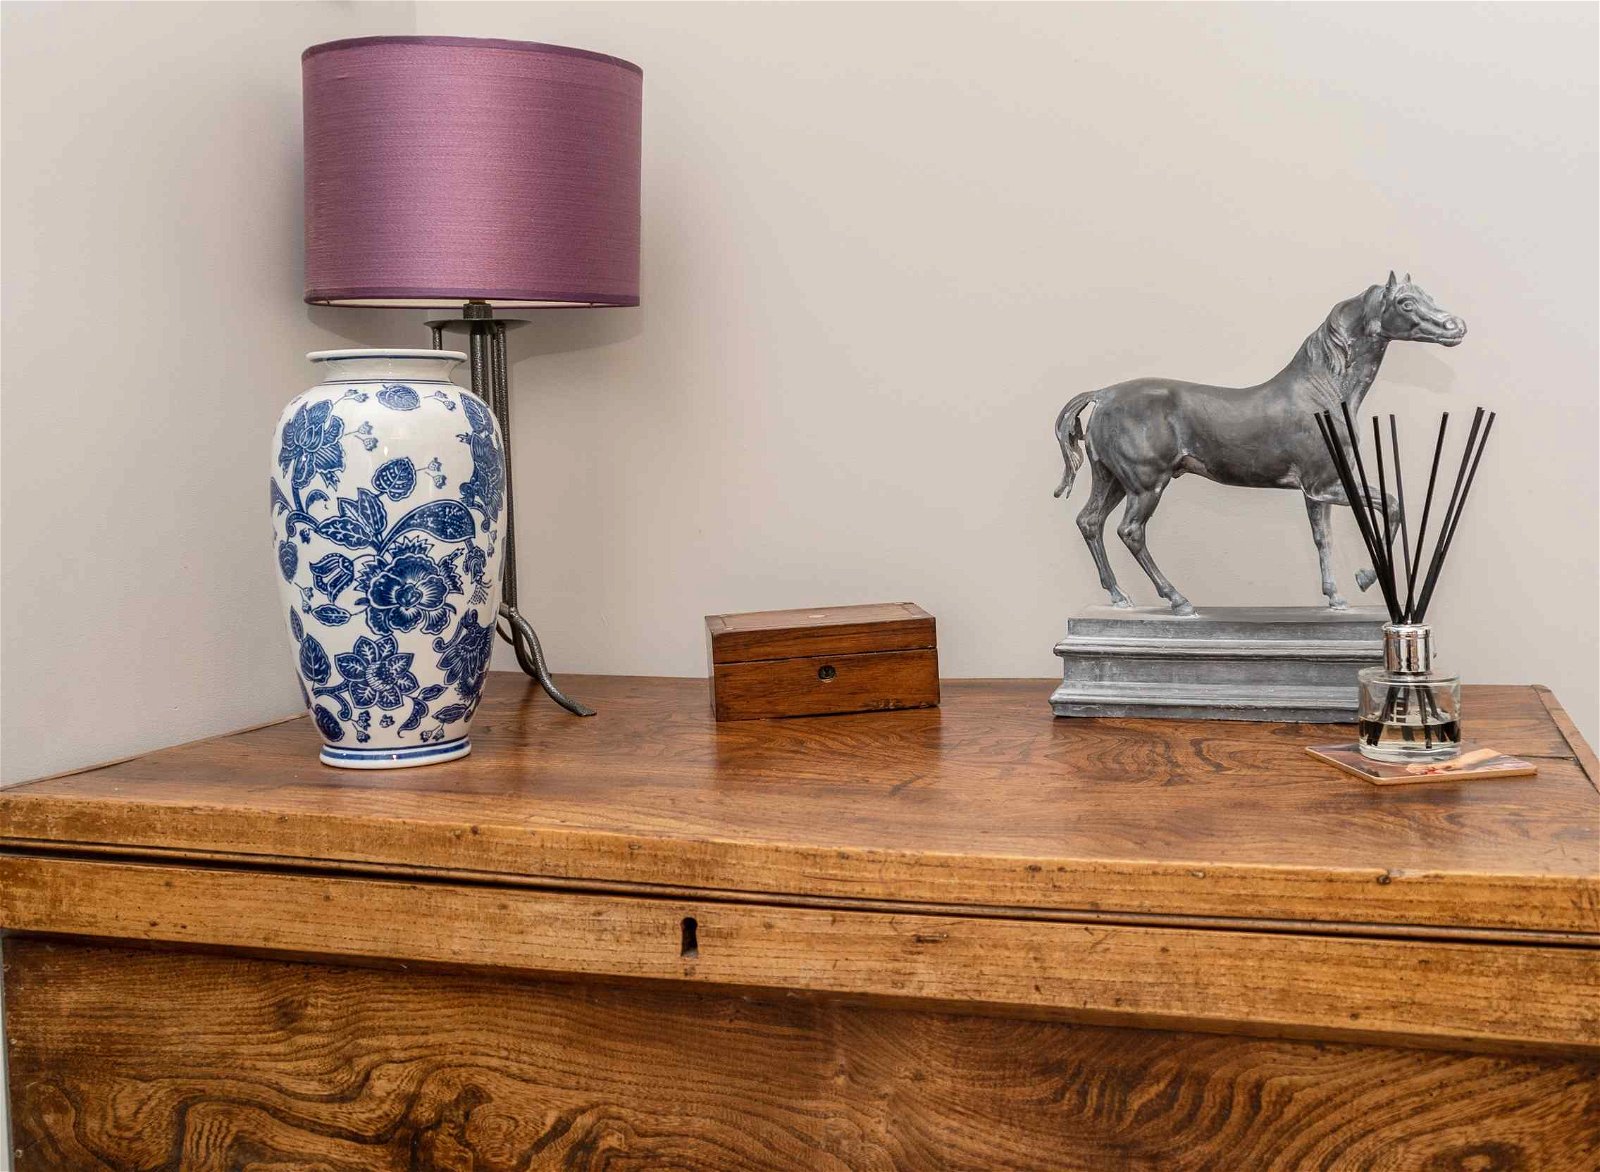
(823, 660)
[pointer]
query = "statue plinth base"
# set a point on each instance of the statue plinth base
(1285, 663)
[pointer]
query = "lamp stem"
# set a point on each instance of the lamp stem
(500, 403)
(491, 382)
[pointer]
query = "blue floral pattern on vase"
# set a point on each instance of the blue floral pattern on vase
(485, 489)
(386, 568)
(311, 445)
(327, 724)
(400, 397)
(465, 656)
(396, 479)
(377, 673)
(407, 588)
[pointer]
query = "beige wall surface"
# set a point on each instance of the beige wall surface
(885, 243)
(152, 331)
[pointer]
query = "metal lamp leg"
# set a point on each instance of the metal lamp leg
(491, 382)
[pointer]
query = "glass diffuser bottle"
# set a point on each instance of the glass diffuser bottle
(1409, 711)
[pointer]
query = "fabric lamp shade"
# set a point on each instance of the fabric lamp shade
(440, 170)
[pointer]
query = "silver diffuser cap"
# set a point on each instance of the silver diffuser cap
(1407, 647)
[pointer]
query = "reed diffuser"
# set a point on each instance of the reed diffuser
(1408, 711)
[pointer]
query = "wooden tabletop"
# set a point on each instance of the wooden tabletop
(985, 803)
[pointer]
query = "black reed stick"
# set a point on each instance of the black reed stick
(1380, 558)
(1449, 533)
(1435, 562)
(1422, 530)
(1383, 503)
(1347, 478)
(1400, 494)
(1361, 468)
(1341, 465)
(1392, 579)
(1483, 441)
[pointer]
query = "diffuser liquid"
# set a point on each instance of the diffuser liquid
(1409, 716)
(1422, 741)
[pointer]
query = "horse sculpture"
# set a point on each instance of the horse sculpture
(1143, 434)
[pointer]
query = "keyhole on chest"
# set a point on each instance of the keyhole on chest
(690, 933)
(826, 672)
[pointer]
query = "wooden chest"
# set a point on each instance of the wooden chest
(822, 660)
(964, 937)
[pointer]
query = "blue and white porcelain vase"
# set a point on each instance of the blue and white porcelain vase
(388, 490)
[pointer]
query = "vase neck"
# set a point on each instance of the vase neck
(357, 366)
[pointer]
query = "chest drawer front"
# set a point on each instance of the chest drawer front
(1474, 994)
(136, 1058)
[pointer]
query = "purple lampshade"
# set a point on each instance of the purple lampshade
(445, 169)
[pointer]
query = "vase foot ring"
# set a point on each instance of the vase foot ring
(412, 755)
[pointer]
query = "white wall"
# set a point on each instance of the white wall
(152, 331)
(884, 244)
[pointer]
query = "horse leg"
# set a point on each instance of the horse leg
(1132, 531)
(1335, 495)
(1391, 507)
(1319, 512)
(1103, 497)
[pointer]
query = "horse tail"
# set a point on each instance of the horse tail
(1069, 434)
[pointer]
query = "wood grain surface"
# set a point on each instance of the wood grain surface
(145, 1061)
(986, 800)
(1468, 995)
(1580, 748)
(881, 681)
(827, 630)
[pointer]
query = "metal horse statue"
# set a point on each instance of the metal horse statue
(1144, 433)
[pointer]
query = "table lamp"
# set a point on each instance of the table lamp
(465, 176)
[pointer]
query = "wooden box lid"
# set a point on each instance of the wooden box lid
(829, 630)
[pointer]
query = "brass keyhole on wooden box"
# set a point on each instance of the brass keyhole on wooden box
(826, 672)
(691, 938)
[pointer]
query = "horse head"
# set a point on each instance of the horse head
(1405, 313)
